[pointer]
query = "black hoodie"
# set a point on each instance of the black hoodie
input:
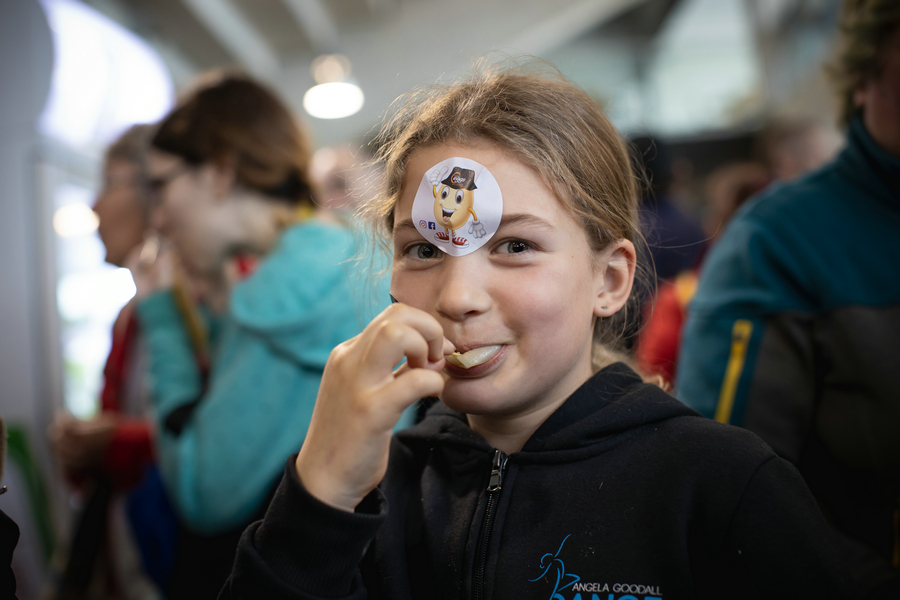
(622, 494)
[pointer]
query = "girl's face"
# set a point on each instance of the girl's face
(121, 209)
(534, 289)
(192, 211)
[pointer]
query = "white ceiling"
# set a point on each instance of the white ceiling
(676, 66)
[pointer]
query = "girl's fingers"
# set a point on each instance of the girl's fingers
(403, 331)
(410, 385)
(448, 348)
(392, 342)
(424, 323)
(362, 397)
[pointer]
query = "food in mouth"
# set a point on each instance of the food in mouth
(474, 357)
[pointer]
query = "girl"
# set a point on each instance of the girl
(230, 166)
(549, 470)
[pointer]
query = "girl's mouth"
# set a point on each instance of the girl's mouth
(474, 357)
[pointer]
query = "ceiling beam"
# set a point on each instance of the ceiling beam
(569, 24)
(232, 30)
(316, 24)
(380, 6)
(182, 68)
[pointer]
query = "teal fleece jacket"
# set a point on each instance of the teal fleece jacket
(222, 460)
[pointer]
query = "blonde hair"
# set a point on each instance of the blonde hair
(548, 123)
(866, 26)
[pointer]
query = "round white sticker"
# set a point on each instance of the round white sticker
(458, 206)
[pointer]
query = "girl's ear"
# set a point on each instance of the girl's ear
(615, 278)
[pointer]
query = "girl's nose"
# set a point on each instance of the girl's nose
(463, 289)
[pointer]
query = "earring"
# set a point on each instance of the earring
(603, 307)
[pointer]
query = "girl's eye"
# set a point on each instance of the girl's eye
(459, 197)
(514, 247)
(424, 251)
(444, 193)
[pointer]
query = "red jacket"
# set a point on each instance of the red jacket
(131, 448)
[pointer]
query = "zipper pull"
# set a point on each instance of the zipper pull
(497, 466)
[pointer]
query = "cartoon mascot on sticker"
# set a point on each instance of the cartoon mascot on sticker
(454, 201)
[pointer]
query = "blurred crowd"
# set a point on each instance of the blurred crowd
(771, 306)
(245, 282)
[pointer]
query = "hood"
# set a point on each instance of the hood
(613, 401)
(310, 293)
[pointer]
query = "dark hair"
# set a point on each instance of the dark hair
(234, 118)
(866, 26)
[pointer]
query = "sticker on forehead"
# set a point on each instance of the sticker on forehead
(458, 206)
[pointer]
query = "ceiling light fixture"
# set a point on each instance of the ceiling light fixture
(335, 96)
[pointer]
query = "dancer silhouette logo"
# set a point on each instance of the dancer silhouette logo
(569, 586)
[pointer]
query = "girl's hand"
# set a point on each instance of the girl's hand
(361, 398)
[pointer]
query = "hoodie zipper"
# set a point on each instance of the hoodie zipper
(498, 464)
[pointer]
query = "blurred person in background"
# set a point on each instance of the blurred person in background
(108, 458)
(343, 176)
(794, 147)
(727, 188)
(271, 292)
(793, 330)
(674, 236)
(790, 149)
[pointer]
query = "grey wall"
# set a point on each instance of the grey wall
(25, 65)
(26, 59)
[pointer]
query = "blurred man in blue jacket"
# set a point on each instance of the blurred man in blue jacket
(794, 330)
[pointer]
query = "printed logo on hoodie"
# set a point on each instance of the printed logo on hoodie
(569, 586)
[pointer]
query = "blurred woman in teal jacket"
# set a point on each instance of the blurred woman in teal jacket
(235, 380)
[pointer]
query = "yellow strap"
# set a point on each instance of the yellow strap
(304, 212)
(685, 287)
(740, 339)
(193, 322)
(301, 213)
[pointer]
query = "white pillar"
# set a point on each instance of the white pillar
(26, 61)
